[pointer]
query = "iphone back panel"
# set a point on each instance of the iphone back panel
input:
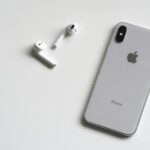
(119, 94)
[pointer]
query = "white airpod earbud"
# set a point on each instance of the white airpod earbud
(39, 48)
(68, 31)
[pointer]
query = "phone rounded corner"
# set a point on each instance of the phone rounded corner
(120, 24)
(85, 117)
(129, 133)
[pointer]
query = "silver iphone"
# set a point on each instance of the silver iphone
(117, 100)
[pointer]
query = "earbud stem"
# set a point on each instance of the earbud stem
(46, 60)
(59, 39)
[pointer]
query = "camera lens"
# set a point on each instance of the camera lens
(121, 33)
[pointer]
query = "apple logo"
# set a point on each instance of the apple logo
(132, 57)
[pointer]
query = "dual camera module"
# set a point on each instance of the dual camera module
(121, 34)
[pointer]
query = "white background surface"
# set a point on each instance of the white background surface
(41, 109)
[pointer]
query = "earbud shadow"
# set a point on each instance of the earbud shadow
(82, 120)
(30, 53)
